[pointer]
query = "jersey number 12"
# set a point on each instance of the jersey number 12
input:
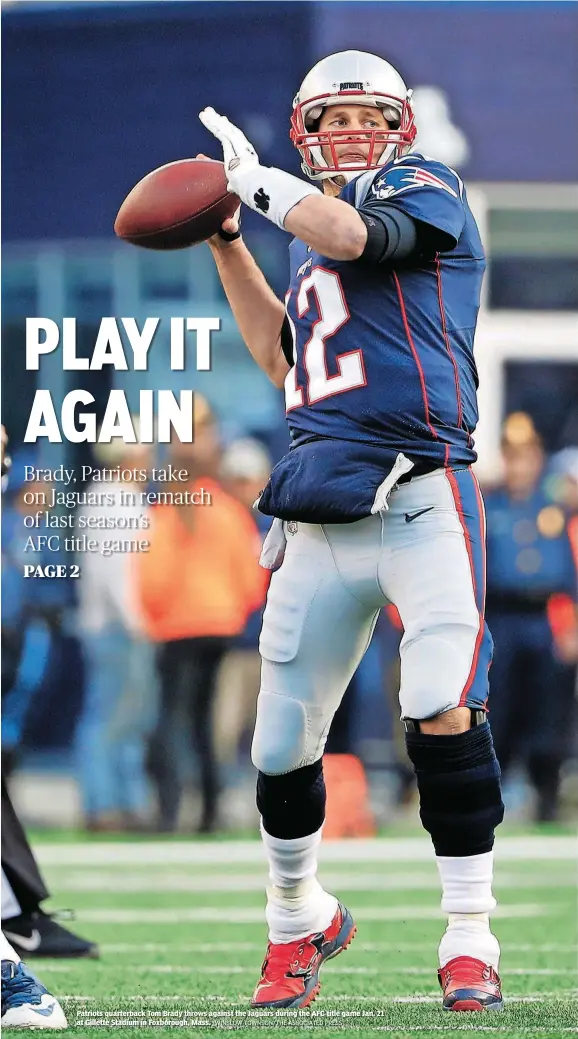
(333, 314)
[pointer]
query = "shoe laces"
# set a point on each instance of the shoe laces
(289, 958)
(60, 914)
(487, 973)
(18, 986)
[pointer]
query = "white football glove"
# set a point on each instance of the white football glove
(264, 189)
(239, 154)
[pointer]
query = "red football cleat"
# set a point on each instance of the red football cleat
(290, 972)
(469, 984)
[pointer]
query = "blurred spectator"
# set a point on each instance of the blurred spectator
(32, 610)
(563, 479)
(530, 560)
(26, 926)
(120, 699)
(199, 584)
(562, 484)
(245, 470)
(6, 461)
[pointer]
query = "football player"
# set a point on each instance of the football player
(375, 502)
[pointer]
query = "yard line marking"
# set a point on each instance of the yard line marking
(379, 849)
(167, 881)
(120, 948)
(169, 968)
(156, 947)
(516, 870)
(426, 998)
(436, 999)
(256, 915)
(510, 971)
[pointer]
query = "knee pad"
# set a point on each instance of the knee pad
(292, 805)
(280, 738)
(458, 779)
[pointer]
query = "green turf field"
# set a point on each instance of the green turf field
(181, 930)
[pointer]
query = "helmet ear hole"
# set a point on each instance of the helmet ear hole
(392, 116)
(313, 118)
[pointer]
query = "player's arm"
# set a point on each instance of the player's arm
(329, 225)
(344, 233)
(375, 230)
(419, 193)
(256, 309)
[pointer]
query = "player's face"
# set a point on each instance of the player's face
(355, 118)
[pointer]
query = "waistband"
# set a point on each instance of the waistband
(419, 469)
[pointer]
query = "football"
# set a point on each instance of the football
(177, 205)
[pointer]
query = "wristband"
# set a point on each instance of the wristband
(270, 191)
(228, 236)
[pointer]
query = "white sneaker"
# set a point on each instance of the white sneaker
(25, 1002)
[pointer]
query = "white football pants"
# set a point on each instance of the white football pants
(425, 554)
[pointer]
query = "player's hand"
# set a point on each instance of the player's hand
(231, 224)
(239, 155)
(264, 189)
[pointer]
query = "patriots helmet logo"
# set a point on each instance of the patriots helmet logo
(402, 178)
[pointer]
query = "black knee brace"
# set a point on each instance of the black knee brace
(458, 779)
(292, 805)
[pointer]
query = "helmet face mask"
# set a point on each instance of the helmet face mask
(351, 78)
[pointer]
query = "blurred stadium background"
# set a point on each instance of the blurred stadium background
(95, 96)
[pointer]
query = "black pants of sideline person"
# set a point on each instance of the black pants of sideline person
(188, 671)
(532, 703)
(18, 861)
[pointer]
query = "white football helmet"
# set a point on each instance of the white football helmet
(352, 78)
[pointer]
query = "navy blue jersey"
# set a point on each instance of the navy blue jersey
(383, 356)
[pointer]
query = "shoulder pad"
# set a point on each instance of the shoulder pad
(407, 174)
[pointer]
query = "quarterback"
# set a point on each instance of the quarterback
(374, 503)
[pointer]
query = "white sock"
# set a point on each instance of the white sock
(468, 934)
(467, 898)
(6, 950)
(297, 905)
(467, 883)
(10, 904)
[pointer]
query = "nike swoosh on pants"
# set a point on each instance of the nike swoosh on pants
(411, 516)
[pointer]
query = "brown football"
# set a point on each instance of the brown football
(177, 205)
